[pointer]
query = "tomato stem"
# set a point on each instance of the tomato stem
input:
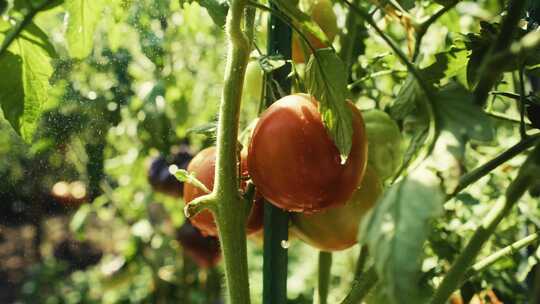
(325, 266)
(506, 251)
(230, 210)
(457, 273)
(361, 286)
(489, 72)
(486, 168)
(199, 204)
(424, 26)
(19, 27)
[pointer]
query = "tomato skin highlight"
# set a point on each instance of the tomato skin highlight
(336, 229)
(295, 164)
(203, 166)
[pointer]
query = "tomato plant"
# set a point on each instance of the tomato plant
(302, 171)
(428, 108)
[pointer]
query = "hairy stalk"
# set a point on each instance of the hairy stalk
(19, 27)
(457, 273)
(230, 210)
(325, 266)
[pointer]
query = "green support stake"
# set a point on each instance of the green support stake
(276, 221)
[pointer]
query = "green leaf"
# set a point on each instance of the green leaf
(534, 11)
(458, 114)
(395, 232)
(447, 64)
(208, 129)
(326, 79)
(410, 95)
(82, 19)
(216, 9)
(187, 177)
(28, 64)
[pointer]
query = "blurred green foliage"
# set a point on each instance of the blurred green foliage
(151, 72)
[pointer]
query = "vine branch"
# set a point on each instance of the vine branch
(506, 251)
(423, 27)
(361, 286)
(457, 273)
(490, 72)
(486, 168)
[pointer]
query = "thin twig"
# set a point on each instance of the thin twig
(361, 286)
(427, 89)
(522, 130)
(489, 72)
(506, 251)
(457, 273)
(486, 168)
(423, 28)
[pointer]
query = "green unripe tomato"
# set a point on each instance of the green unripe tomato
(385, 143)
(323, 14)
(254, 81)
(336, 228)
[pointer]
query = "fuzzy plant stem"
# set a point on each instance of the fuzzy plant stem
(230, 210)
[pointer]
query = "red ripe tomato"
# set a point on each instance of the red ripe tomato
(295, 164)
(337, 228)
(203, 166)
